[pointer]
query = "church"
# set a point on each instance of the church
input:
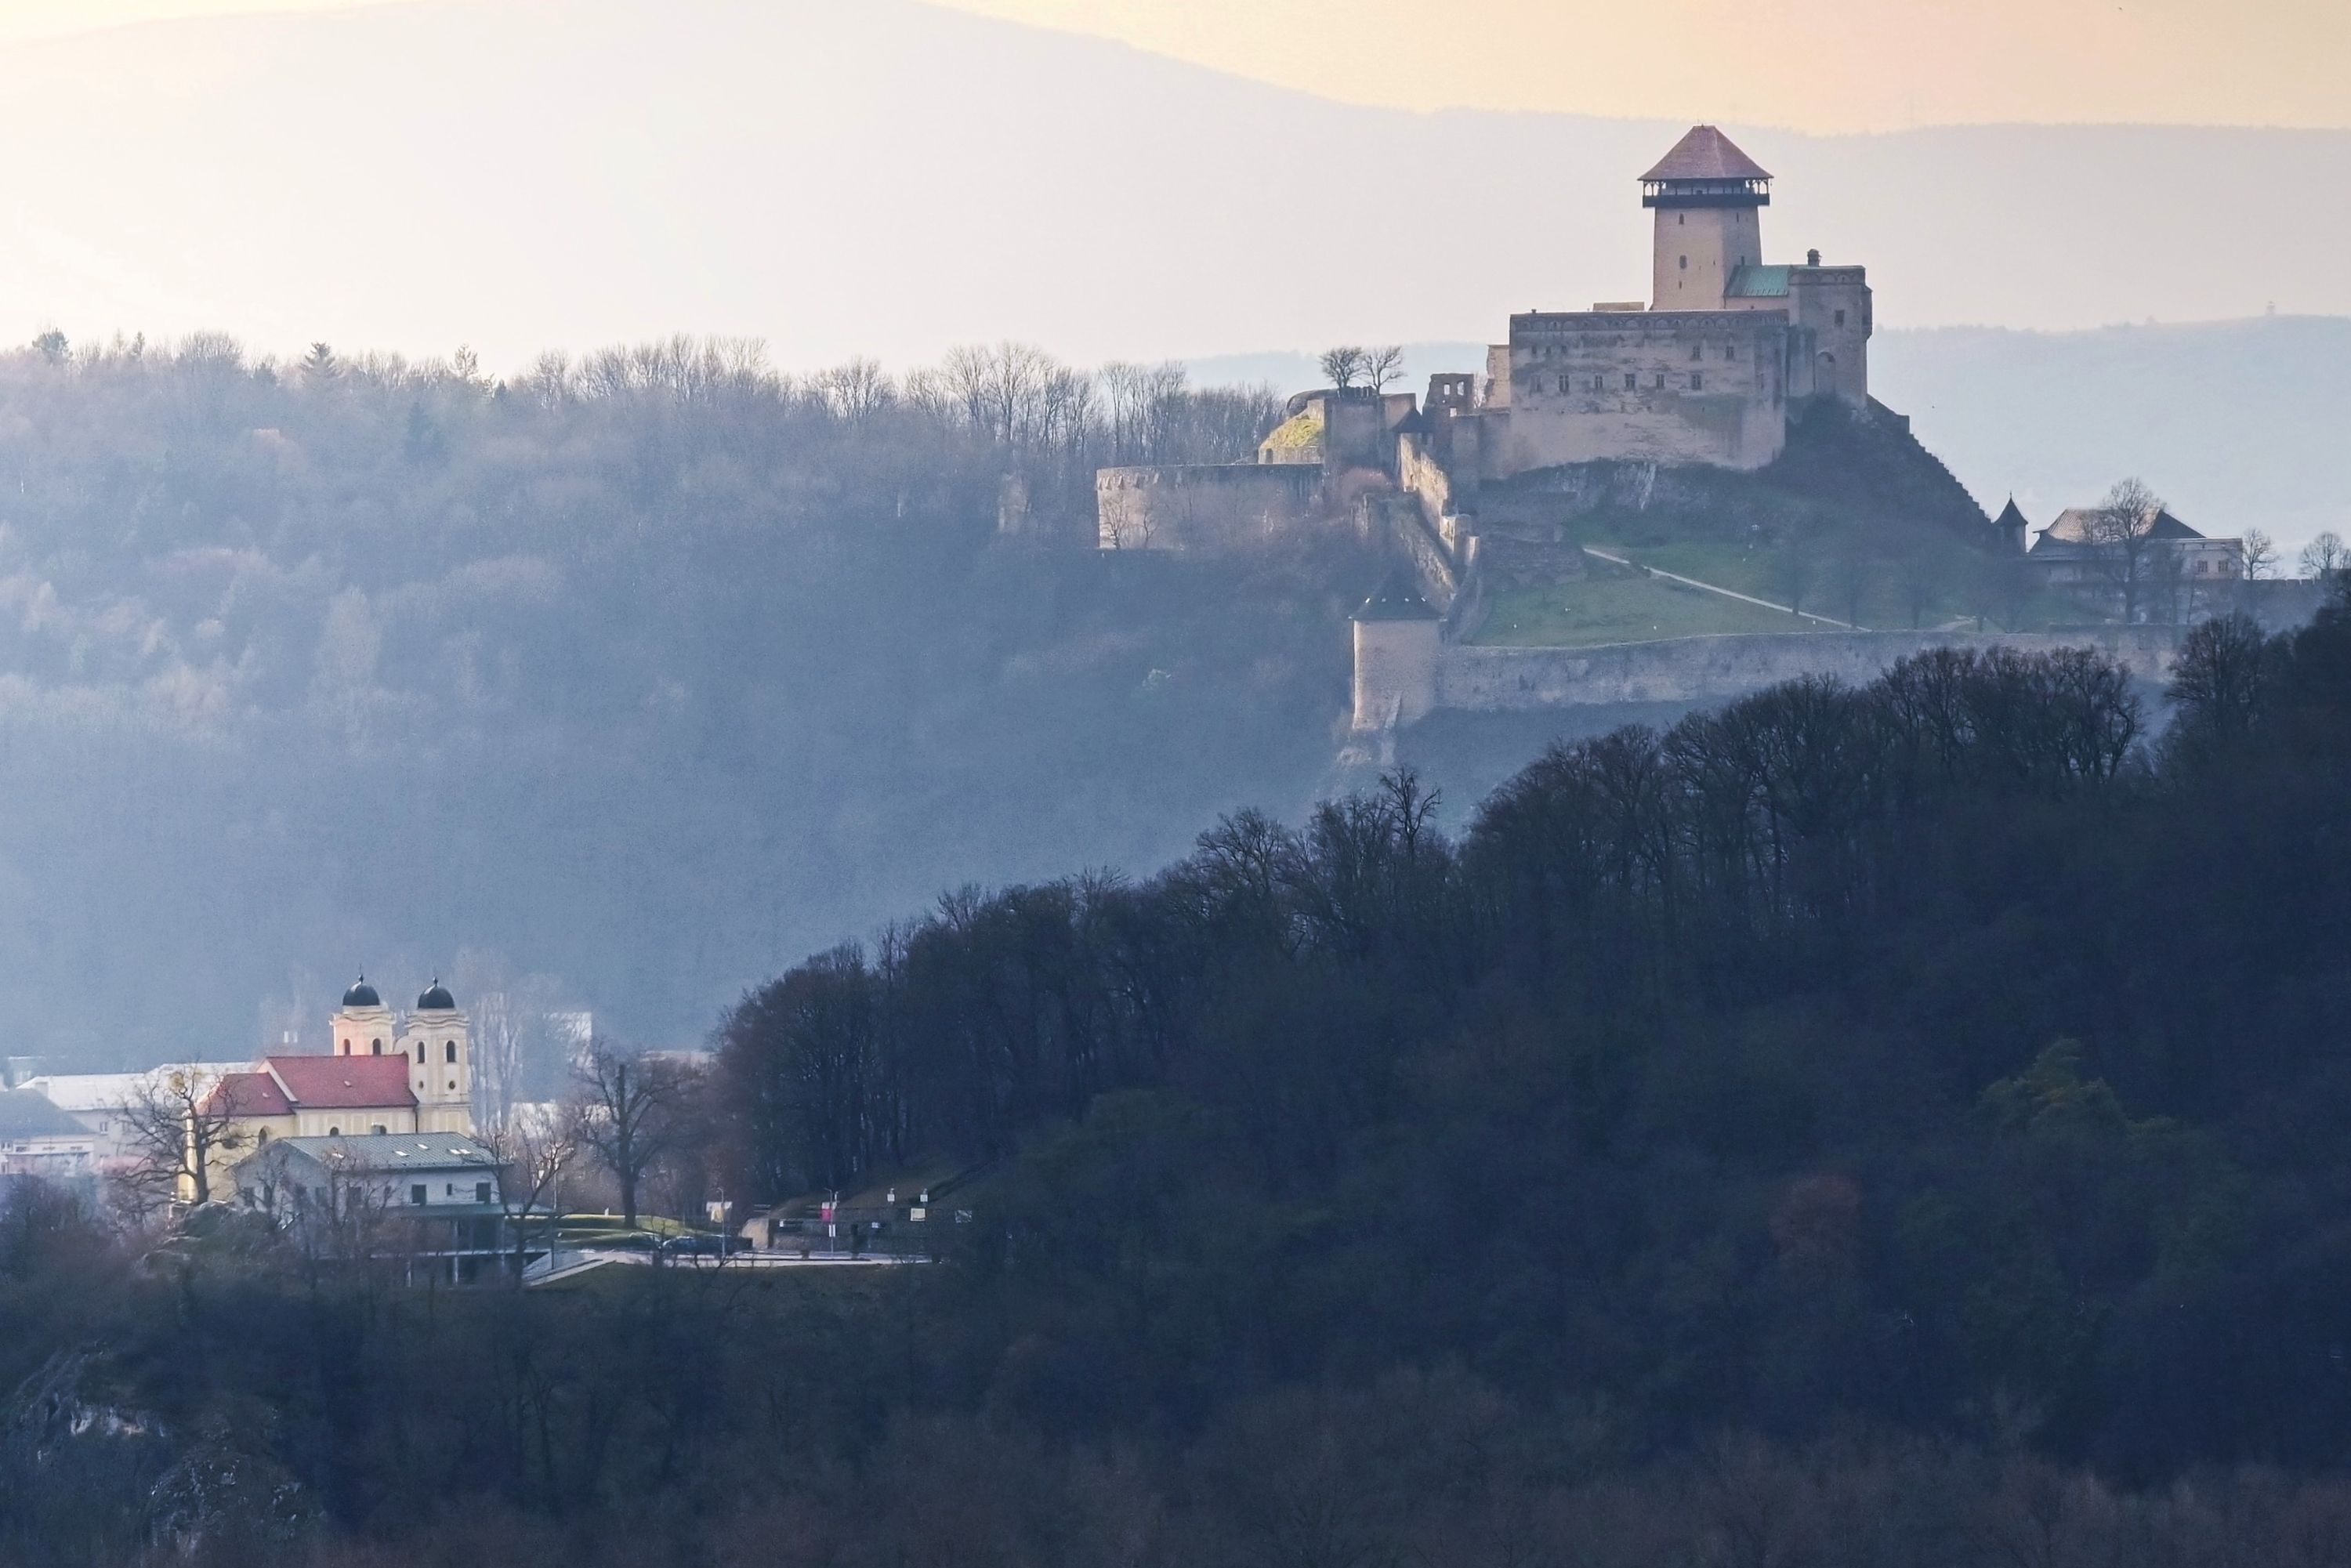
(387, 1075)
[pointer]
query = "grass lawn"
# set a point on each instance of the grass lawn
(1619, 609)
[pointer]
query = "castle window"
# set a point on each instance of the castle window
(379, 1046)
(1840, 318)
(1632, 381)
(1564, 386)
(1685, 264)
(420, 1053)
(449, 1050)
(1661, 381)
(1697, 381)
(1730, 351)
(1698, 352)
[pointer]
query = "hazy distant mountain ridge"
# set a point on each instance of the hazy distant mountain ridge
(890, 178)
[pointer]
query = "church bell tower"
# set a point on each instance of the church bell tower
(1709, 197)
(439, 1045)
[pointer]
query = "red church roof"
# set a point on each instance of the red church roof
(1705, 154)
(246, 1094)
(343, 1083)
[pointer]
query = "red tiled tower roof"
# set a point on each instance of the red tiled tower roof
(1705, 154)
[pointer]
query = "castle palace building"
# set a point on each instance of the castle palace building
(1706, 370)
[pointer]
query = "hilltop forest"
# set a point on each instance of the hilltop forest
(381, 663)
(1896, 1126)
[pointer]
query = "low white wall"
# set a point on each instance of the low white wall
(1705, 669)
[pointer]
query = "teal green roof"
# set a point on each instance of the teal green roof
(1757, 283)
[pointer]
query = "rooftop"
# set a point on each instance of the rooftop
(27, 1115)
(1705, 154)
(342, 1083)
(395, 1151)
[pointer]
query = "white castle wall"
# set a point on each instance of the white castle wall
(1708, 669)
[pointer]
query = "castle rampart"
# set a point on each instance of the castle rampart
(1205, 506)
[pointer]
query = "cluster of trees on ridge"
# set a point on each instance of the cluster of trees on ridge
(310, 625)
(1886, 1126)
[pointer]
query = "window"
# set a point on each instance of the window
(376, 1129)
(1730, 351)
(449, 1053)
(449, 1189)
(481, 1192)
(258, 1138)
(1698, 380)
(417, 1194)
(1840, 318)
(420, 1053)
(334, 1131)
(1563, 386)
(1661, 381)
(1632, 381)
(1697, 353)
(346, 1048)
(378, 1045)
(1685, 264)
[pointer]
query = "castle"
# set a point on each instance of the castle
(1708, 371)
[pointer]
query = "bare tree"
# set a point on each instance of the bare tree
(1343, 366)
(178, 1124)
(629, 1112)
(533, 1154)
(2325, 555)
(2121, 531)
(2261, 555)
(1383, 365)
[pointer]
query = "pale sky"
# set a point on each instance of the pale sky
(1810, 65)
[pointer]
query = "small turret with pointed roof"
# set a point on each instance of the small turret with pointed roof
(2013, 530)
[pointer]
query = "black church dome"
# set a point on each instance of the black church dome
(361, 995)
(436, 999)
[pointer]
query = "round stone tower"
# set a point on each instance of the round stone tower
(1395, 657)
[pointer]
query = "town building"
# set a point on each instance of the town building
(2166, 570)
(428, 1199)
(38, 1139)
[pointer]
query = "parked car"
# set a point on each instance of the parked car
(698, 1246)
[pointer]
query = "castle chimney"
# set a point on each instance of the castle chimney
(1811, 258)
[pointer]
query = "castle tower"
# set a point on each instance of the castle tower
(1395, 657)
(1709, 197)
(363, 1026)
(439, 1045)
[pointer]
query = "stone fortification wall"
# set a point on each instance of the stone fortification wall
(1672, 387)
(1711, 669)
(1209, 505)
